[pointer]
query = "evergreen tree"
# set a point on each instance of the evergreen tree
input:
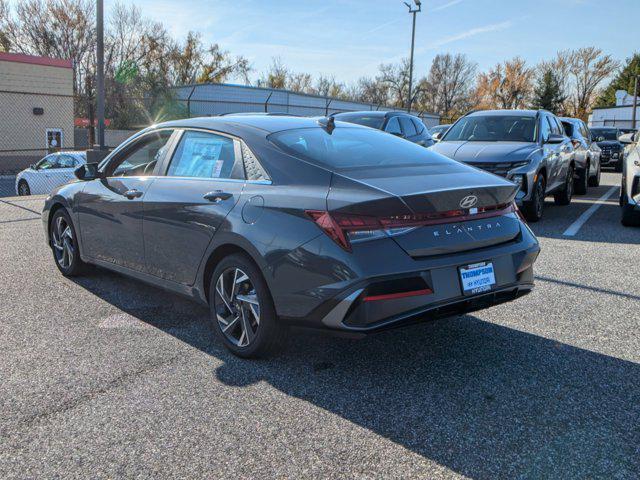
(548, 93)
(623, 81)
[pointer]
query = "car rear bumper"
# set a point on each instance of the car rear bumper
(377, 303)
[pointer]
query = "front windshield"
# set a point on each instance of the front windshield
(493, 128)
(602, 134)
(350, 148)
(373, 121)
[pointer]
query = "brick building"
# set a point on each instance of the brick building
(36, 108)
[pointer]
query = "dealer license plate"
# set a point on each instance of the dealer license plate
(477, 278)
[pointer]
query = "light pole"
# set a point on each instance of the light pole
(413, 11)
(100, 70)
(635, 102)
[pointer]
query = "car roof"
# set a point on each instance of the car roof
(234, 124)
(374, 113)
(570, 119)
(478, 113)
(75, 153)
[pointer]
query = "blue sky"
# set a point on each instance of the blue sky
(350, 38)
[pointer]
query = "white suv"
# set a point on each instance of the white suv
(630, 189)
(53, 170)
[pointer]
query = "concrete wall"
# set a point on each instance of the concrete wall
(614, 116)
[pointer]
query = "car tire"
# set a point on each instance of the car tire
(563, 197)
(595, 180)
(23, 188)
(534, 208)
(64, 244)
(581, 183)
(241, 309)
(630, 218)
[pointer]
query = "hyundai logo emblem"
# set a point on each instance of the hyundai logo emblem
(468, 201)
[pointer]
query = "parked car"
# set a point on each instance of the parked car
(612, 150)
(528, 147)
(630, 187)
(400, 124)
(273, 221)
(587, 155)
(52, 171)
(438, 131)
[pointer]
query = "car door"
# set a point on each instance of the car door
(565, 151)
(48, 174)
(67, 164)
(110, 208)
(185, 206)
(552, 154)
(424, 136)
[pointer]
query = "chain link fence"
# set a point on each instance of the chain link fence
(42, 141)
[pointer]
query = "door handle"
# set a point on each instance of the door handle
(133, 193)
(217, 196)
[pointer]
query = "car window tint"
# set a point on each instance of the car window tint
(143, 157)
(66, 161)
(50, 161)
(545, 128)
(351, 148)
(493, 128)
(408, 126)
(373, 121)
(419, 125)
(203, 155)
(393, 126)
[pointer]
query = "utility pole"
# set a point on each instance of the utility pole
(100, 71)
(412, 11)
(635, 102)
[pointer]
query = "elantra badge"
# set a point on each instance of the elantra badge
(468, 201)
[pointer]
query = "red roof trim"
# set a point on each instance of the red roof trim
(46, 61)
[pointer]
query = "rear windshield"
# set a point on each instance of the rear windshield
(600, 134)
(493, 128)
(348, 148)
(373, 121)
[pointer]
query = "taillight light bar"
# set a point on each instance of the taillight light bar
(338, 226)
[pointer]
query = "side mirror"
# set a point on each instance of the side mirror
(554, 138)
(88, 171)
(436, 136)
(627, 138)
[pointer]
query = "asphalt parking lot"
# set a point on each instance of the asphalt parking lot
(105, 377)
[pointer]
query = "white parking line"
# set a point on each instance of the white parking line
(582, 219)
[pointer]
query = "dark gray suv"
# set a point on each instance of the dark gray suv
(273, 221)
(528, 147)
(400, 124)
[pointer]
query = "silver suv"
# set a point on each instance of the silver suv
(528, 147)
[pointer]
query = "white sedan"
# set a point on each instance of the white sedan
(53, 170)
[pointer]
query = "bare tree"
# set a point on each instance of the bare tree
(329, 87)
(507, 85)
(300, 82)
(396, 78)
(589, 67)
(448, 87)
(276, 76)
(370, 90)
(220, 66)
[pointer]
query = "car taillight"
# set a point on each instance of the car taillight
(344, 228)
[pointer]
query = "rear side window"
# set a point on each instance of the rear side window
(351, 148)
(408, 126)
(373, 121)
(204, 155)
(393, 126)
(419, 125)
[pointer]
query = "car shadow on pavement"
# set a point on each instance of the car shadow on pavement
(482, 399)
